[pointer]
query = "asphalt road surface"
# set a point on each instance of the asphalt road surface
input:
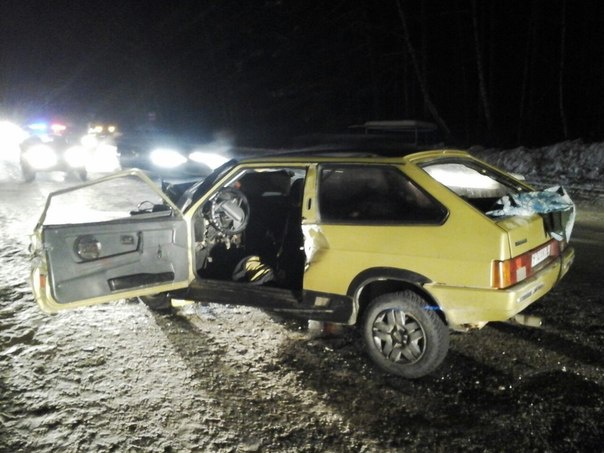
(119, 377)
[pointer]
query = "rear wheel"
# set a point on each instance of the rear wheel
(157, 302)
(404, 336)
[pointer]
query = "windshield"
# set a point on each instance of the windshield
(197, 190)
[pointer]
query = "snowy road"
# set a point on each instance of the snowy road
(216, 378)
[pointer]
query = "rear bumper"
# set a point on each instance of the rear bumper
(478, 306)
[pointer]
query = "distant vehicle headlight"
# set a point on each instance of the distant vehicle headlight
(40, 157)
(167, 158)
(89, 141)
(212, 160)
(11, 136)
(103, 158)
(76, 156)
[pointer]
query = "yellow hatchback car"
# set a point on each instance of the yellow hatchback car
(404, 247)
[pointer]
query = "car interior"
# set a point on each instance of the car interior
(250, 230)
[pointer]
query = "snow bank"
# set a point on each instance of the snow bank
(572, 162)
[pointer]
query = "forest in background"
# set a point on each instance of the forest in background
(497, 73)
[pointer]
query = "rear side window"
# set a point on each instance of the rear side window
(374, 194)
(475, 183)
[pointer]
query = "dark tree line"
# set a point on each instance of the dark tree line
(492, 72)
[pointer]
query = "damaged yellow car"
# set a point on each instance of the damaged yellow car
(406, 248)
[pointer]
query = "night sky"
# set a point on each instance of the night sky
(497, 73)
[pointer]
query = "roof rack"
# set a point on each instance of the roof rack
(338, 144)
(395, 125)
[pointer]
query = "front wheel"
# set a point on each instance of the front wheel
(78, 174)
(404, 336)
(157, 302)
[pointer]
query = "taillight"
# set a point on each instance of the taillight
(509, 272)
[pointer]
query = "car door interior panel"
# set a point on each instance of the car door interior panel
(93, 260)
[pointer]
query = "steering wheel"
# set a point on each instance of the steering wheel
(229, 211)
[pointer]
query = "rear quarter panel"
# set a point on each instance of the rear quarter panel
(458, 253)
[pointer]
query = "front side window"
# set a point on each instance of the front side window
(374, 194)
(106, 199)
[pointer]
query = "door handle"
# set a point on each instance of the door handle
(88, 248)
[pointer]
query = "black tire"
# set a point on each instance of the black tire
(403, 335)
(78, 174)
(160, 303)
(27, 173)
(82, 174)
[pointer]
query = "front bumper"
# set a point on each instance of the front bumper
(477, 306)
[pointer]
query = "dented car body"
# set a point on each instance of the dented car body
(406, 247)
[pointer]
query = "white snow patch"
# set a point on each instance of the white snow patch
(574, 164)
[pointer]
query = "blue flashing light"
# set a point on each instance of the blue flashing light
(38, 127)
